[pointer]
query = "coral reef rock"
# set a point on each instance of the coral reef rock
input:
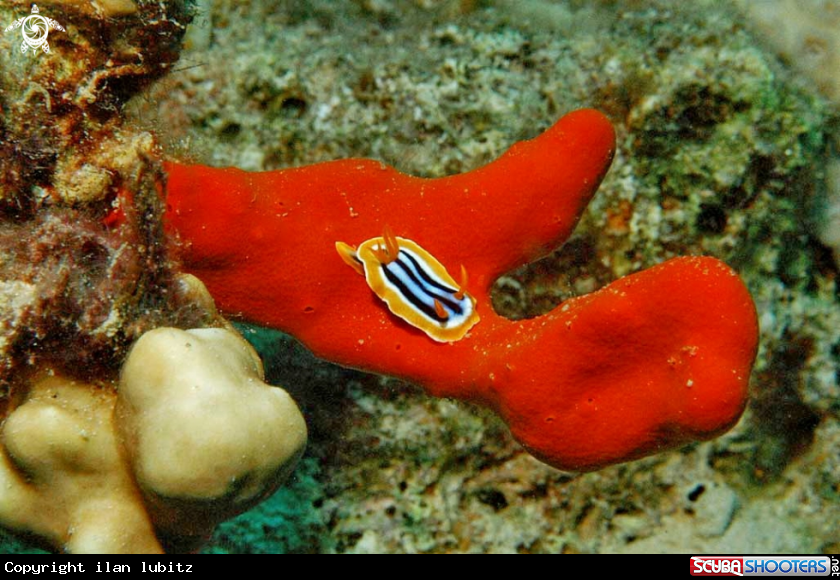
(84, 274)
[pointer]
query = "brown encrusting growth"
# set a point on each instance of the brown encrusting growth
(82, 271)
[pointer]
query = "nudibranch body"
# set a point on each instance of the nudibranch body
(414, 285)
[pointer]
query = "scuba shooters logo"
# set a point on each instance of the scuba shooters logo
(765, 566)
(716, 566)
(35, 29)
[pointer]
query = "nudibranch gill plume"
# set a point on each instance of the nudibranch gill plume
(415, 286)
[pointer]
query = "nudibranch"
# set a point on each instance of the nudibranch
(414, 284)
(650, 362)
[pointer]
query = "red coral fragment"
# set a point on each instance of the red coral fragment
(650, 362)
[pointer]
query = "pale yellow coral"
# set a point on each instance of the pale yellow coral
(192, 436)
(207, 438)
(62, 474)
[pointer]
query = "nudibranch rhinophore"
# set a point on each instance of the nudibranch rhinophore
(650, 362)
(414, 285)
